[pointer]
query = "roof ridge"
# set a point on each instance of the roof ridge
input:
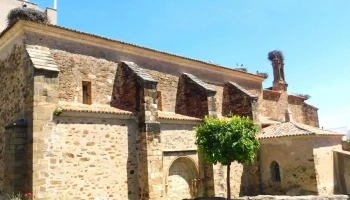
(131, 44)
(296, 125)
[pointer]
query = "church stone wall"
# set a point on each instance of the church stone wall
(16, 92)
(296, 164)
(324, 162)
(75, 68)
(273, 104)
(88, 158)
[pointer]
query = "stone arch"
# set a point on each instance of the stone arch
(275, 171)
(182, 179)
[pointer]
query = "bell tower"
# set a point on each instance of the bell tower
(277, 61)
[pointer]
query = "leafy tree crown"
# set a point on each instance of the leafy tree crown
(226, 140)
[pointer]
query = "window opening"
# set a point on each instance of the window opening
(160, 104)
(275, 172)
(86, 92)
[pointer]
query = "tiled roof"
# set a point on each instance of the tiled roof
(112, 40)
(289, 129)
(94, 108)
(175, 116)
(243, 90)
(41, 58)
(139, 71)
(200, 82)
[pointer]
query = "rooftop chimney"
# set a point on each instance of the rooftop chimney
(277, 62)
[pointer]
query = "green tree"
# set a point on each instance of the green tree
(226, 140)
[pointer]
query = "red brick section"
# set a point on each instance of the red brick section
(142, 98)
(194, 98)
(239, 101)
(124, 89)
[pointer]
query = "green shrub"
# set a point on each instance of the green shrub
(57, 112)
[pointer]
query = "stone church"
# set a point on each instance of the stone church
(83, 117)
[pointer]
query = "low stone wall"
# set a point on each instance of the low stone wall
(267, 197)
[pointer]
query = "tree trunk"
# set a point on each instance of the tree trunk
(228, 178)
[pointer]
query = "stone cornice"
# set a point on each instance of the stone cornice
(60, 32)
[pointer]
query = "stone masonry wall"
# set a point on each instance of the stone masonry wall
(194, 98)
(178, 141)
(178, 137)
(75, 68)
(324, 162)
(238, 101)
(341, 172)
(310, 115)
(89, 158)
(161, 67)
(16, 93)
(303, 112)
(273, 104)
(296, 106)
(308, 197)
(296, 179)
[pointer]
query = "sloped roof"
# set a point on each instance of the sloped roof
(289, 129)
(94, 108)
(41, 58)
(243, 90)
(36, 25)
(176, 116)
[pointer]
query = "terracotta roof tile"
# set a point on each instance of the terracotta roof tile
(176, 116)
(289, 129)
(41, 58)
(243, 90)
(200, 82)
(94, 108)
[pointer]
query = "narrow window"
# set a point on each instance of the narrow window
(86, 92)
(160, 105)
(275, 172)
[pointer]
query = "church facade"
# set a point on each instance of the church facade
(84, 116)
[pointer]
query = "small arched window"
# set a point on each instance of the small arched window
(275, 172)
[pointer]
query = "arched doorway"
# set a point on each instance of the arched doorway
(182, 180)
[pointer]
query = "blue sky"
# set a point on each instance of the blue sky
(314, 36)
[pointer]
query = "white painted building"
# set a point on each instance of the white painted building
(7, 5)
(344, 129)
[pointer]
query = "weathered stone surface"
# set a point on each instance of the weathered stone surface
(85, 157)
(90, 157)
(268, 197)
(16, 97)
(238, 101)
(195, 98)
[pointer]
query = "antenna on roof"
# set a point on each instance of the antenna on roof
(55, 4)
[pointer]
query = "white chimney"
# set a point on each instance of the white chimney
(55, 4)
